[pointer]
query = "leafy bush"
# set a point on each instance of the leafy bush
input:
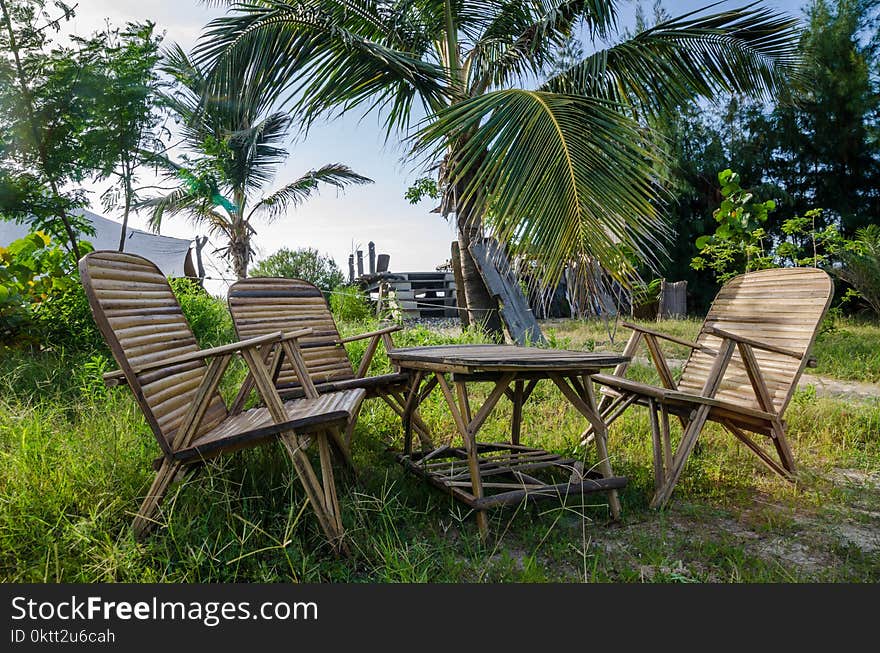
(349, 304)
(64, 322)
(738, 244)
(860, 265)
(207, 315)
(32, 271)
(305, 263)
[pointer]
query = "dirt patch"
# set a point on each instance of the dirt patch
(864, 537)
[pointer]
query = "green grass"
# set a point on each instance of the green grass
(848, 351)
(75, 456)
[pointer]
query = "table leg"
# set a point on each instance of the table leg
(518, 391)
(601, 444)
(409, 409)
(470, 445)
(587, 407)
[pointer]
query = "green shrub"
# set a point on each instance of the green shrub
(349, 304)
(64, 322)
(305, 263)
(207, 315)
(32, 271)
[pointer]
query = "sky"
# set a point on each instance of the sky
(335, 223)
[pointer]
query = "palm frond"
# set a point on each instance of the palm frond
(179, 200)
(750, 50)
(326, 56)
(566, 177)
(524, 34)
(258, 150)
(299, 190)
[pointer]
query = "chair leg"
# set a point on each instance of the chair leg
(143, 522)
(688, 440)
(656, 446)
(317, 495)
(783, 448)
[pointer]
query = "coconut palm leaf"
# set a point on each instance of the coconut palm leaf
(567, 177)
(524, 34)
(299, 190)
(180, 200)
(746, 50)
(333, 55)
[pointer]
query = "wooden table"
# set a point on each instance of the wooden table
(467, 473)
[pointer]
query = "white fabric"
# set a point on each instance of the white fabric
(169, 254)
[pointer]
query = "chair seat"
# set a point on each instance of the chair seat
(680, 402)
(373, 385)
(304, 416)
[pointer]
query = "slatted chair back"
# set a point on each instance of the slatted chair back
(141, 320)
(780, 307)
(262, 305)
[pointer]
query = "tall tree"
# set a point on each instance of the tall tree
(233, 144)
(40, 123)
(127, 93)
(565, 169)
(827, 145)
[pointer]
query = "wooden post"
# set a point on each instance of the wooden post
(460, 299)
(360, 262)
(383, 289)
(673, 300)
(351, 268)
(371, 253)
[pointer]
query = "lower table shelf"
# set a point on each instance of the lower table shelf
(508, 474)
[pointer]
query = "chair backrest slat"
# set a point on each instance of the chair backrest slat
(781, 307)
(262, 305)
(141, 320)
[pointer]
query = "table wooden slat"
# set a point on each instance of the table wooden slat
(503, 357)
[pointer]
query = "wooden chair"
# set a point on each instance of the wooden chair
(263, 305)
(175, 384)
(741, 372)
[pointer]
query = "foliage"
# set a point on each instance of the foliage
(349, 304)
(127, 108)
(44, 116)
(825, 150)
(423, 187)
(64, 322)
(207, 315)
(232, 149)
(77, 457)
(860, 265)
(304, 263)
(738, 244)
(646, 293)
(569, 164)
(32, 272)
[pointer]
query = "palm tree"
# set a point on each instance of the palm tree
(233, 145)
(566, 168)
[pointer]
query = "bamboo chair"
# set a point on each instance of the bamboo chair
(175, 384)
(741, 372)
(262, 305)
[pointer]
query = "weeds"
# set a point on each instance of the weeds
(74, 457)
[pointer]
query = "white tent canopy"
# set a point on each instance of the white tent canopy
(171, 255)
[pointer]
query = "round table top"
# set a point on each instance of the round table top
(503, 358)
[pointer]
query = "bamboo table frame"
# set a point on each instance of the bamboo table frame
(515, 372)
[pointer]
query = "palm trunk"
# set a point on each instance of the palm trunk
(482, 307)
(239, 249)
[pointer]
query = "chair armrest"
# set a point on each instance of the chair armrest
(678, 341)
(752, 343)
(371, 334)
(117, 377)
